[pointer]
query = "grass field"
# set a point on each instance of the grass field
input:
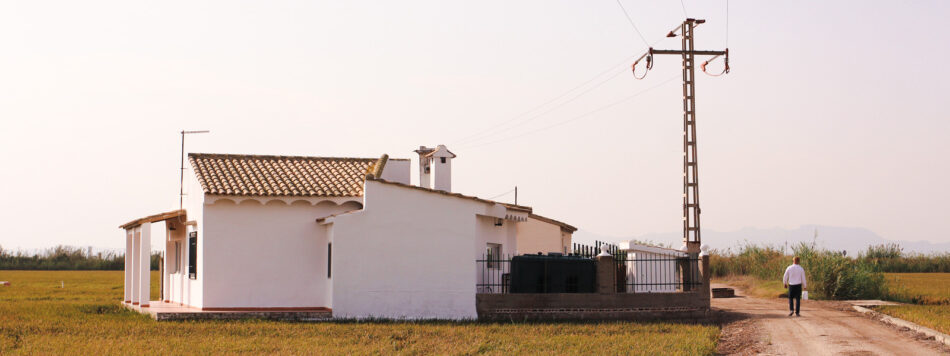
(77, 312)
(929, 295)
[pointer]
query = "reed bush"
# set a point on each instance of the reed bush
(66, 258)
(830, 274)
(890, 258)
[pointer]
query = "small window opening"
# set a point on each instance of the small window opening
(193, 255)
(329, 258)
(442, 159)
(493, 252)
(176, 263)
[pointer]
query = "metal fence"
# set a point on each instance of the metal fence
(592, 251)
(665, 274)
(494, 273)
(636, 272)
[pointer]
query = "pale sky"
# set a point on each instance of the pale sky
(834, 112)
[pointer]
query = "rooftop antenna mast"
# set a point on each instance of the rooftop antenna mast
(181, 181)
(691, 211)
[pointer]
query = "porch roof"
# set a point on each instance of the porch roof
(153, 218)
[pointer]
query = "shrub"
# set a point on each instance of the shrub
(830, 274)
(838, 277)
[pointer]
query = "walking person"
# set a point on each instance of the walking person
(794, 280)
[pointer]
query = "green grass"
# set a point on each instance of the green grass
(37, 316)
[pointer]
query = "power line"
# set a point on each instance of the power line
(683, 4)
(602, 108)
(558, 106)
(727, 23)
(514, 121)
(491, 130)
(633, 24)
(502, 194)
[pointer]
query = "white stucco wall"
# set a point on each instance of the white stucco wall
(233, 282)
(397, 170)
(442, 173)
(540, 236)
(181, 289)
(487, 232)
(410, 254)
(566, 239)
(271, 255)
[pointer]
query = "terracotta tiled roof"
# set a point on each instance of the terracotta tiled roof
(254, 175)
(564, 226)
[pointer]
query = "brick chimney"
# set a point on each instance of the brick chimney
(435, 167)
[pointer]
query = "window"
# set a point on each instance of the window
(193, 255)
(176, 263)
(442, 159)
(493, 253)
(329, 257)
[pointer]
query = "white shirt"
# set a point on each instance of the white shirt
(795, 274)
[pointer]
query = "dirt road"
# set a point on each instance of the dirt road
(825, 328)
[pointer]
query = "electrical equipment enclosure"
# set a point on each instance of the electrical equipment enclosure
(552, 274)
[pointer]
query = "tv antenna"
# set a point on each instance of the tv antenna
(691, 211)
(181, 180)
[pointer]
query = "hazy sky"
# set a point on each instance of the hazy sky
(834, 113)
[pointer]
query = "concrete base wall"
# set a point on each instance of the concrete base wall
(592, 306)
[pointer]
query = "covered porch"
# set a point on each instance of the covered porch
(138, 254)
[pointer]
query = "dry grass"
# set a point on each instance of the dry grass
(929, 295)
(936, 317)
(919, 288)
(39, 317)
(755, 287)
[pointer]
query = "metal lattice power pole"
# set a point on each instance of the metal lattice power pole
(691, 210)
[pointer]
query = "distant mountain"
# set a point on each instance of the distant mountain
(852, 240)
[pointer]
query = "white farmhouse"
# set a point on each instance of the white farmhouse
(351, 235)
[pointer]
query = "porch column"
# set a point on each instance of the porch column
(167, 268)
(145, 243)
(128, 266)
(134, 256)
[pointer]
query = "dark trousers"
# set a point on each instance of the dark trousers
(794, 297)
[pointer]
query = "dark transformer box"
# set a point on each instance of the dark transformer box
(552, 274)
